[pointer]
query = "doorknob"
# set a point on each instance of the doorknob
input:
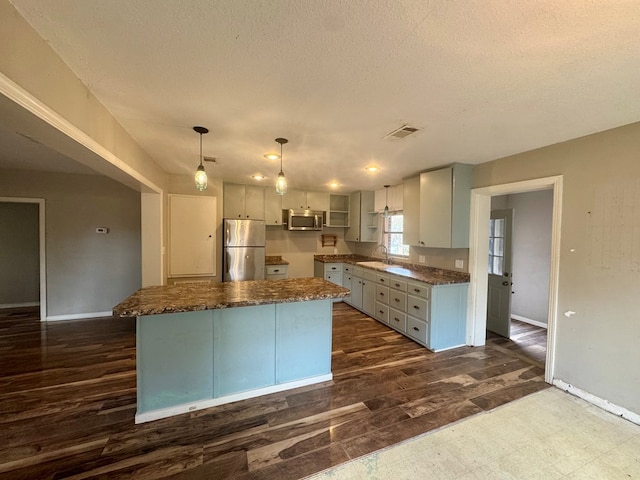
(506, 284)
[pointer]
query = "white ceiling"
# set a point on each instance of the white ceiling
(483, 79)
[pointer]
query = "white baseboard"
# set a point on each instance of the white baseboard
(78, 316)
(214, 402)
(19, 305)
(598, 402)
(529, 321)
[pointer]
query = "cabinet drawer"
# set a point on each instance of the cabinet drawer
(276, 269)
(417, 329)
(397, 320)
(382, 312)
(383, 279)
(276, 276)
(418, 289)
(397, 284)
(382, 294)
(332, 267)
(347, 268)
(398, 300)
(418, 307)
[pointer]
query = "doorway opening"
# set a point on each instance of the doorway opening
(41, 281)
(479, 246)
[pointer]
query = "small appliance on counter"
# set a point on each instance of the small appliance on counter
(302, 219)
(243, 250)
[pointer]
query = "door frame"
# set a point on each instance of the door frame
(479, 246)
(41, 248)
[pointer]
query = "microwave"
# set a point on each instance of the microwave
(302, 219)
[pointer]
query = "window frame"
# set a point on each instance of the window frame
(387, 235)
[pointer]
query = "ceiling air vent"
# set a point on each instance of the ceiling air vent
(402, 132)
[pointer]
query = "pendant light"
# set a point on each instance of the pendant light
(281, 182)
(385, 212)
(201, 175)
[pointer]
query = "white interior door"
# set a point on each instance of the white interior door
(500, 274)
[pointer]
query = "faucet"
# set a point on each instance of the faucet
(386, 252)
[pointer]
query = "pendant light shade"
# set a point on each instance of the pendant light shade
(201, 174)
(281, 182)
(385, 212)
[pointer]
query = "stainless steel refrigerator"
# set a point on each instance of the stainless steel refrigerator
(243, 253)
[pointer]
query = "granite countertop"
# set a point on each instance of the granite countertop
(190, 297)
(422, 273)
(275, 260)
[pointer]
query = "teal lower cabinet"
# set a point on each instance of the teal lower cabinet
(243, 349)
(303, 339)
(194, 360)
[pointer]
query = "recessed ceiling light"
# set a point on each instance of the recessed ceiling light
(271, 156)
(334, 184)
(372, 168)
(258, 177)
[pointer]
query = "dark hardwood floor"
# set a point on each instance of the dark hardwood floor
(67, 403)
(526, 341)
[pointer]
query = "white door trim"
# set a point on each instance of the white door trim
(479, 246)
(41, 248)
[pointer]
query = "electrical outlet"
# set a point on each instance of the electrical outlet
(459, 263)
(421, 259)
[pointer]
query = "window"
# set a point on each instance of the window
(392, 236)
(496, 246)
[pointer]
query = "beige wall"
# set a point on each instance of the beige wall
(87, 272)
(298, 248)
(19, 254)
(597, 348)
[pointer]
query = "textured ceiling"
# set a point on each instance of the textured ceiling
(482, 79)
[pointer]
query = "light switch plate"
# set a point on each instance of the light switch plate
(459, 263)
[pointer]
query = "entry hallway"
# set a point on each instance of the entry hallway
(67, 398)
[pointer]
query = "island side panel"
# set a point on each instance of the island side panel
(174, 359)
(303, 340)
(244, 349)
(448, 316)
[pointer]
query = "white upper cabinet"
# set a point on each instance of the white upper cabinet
(301, 200)
(395, 201)
(362, 218)
(243, 201)
(437, 207)
(272, 207)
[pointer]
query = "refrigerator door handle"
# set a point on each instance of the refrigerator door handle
(228, 261)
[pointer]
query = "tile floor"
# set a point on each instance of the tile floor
(547, 435)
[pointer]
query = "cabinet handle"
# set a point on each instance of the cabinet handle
(416, 329)
(381, 280)
(381, 312)
(396, 299)
(333, 268)
(417, 290)
(397, 285)
(381, 294)
(276, 270)
(416, 307)
(396, 319)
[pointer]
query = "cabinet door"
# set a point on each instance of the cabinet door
(356, 292)
(192, 241)
(411, 211)
(368, 218)
(295, 199)
(369, 297)
(272, 207)
(353, 232)
(380, 200)
(318, 201)
(234, 198)
(435, 208)
(396, 198)
(254, 202)
(346, 283)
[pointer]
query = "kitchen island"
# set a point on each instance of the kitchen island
(199, 346)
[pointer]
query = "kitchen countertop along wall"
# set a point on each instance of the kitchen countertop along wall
(431, 275)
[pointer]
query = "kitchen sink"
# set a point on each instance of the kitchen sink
(398, 270)
(374, 264)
